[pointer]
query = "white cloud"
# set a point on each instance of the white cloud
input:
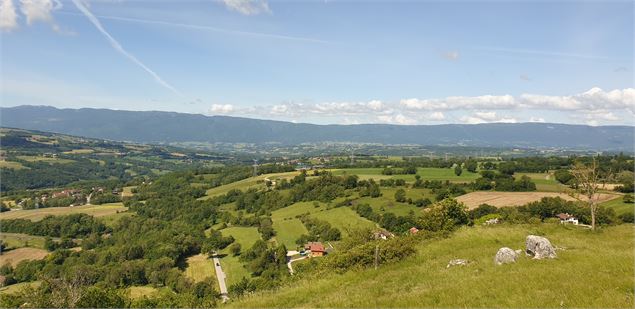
(486, 117)
(39, 10)
(115, 44)
(8, 16)
(221, 109)
(435, 116)
(248, 7)
(396, 119)
(593, 99)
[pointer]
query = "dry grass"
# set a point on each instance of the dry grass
(16, 256)
(200, 267)
(503, 199)
(39, 214)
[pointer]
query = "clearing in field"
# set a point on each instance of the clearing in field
(18, 240)
(16, 256)
(502, 199)
(44, 159)
(252, 182)
(11, 165)
(200, 267)
(39, 214)
(595, 271)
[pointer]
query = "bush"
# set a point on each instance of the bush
(628, 198)
(628, 217)
(483, 219)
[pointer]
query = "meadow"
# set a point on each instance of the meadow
(232, 266)
(426, 173)
(619, 206)
(594, 269)
(252, 182)
(199, 267)
(11, 165)
(39, 214)
(17, 240)
(15, 256)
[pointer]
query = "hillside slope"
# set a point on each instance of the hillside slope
(178, 127)
(594, 270)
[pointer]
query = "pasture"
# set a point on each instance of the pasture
(426, 173)
(595, 270)
(234, 269)
(18, 240)
(288, 231)
(503, 199)
(45, 159)
(39, 214)
(11, 165)
(10, 289)
(15, 256)
(252, 182)
(619, 206)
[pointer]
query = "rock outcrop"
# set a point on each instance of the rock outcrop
(539, 247)
(505, 256)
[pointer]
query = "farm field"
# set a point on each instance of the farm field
(232, 266)
(571, 280)
(343, 218)
(17, 240)
(44, 159)
(426, 173)
(619, 206)
(127, 191)
(199, 267)
(288, 231)
(39, 214)
(138, 292)
(502, 199)
(15, 256)
(10, 289)
(79, 151)
(252, 182)
(11, 165)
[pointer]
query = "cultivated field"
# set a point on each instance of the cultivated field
(39, 214)
(15, 256)
(595, 270)
(502, 199)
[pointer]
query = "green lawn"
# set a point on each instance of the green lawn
(288, 231)
(233, 268)
(343, 218)
(595, 270)
(619, 206)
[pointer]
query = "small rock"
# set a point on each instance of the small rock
(456, 262)
(539, 247)
(505, 256)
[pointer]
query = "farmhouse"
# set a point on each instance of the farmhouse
(383, 235)
(567, 218)
(315, 249)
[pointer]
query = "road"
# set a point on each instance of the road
(220, 275)
(291, 261)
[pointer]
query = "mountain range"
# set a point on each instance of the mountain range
(171, 127)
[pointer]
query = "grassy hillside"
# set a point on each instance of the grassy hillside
(594, 270)
(39, 214)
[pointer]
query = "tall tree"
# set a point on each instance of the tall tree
(587, 178)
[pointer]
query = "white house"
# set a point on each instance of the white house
(567, 218)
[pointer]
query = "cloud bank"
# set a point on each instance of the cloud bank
(591, 107)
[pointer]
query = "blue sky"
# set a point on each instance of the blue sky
(409, 62)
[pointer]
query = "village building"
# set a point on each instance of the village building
(315, 249)
(383, 235)
(567, 218)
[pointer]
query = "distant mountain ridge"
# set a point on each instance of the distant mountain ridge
(166, 127)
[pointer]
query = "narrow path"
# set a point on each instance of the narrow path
(220, 275)
(291, 261)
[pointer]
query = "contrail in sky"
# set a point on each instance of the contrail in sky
(115, 44)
